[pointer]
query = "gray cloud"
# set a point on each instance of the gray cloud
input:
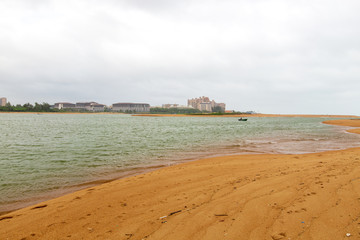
(268, 56)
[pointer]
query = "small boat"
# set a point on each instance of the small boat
(243, 119)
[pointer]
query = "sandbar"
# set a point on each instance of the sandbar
(264, 196)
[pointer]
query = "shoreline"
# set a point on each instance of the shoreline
(141, 169)
(61, 113)
(192, 178)
(78, 187)
(194, 115)
(355, 123)
(249, 115)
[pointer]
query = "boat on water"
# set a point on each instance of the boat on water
(242, 119)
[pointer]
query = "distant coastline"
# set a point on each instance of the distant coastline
(85, 113)
(196, 115)
(248, 115)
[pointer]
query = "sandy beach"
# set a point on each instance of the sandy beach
(355, 123)
(307, 196)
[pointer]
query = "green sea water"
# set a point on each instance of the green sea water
(44, 155)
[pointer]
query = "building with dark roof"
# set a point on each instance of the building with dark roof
(62, 105)
(131, 107)
(84, 105)
(96, 107)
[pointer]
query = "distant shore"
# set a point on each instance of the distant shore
(198, 115)
(247, 115)
(263, 196)
(62, 112)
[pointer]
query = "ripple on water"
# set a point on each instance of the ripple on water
(42, 154)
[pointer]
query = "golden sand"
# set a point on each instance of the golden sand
(308, 196)
(347, 122)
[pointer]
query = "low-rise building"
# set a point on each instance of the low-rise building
(96, 107)
(84, 105)
(63, 105)
(81, 106)
(131, 107)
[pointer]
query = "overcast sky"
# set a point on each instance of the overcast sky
(271, 56)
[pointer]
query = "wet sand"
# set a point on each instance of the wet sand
(266, 196)
(355, 123)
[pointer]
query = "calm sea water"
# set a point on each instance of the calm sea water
(46, 154)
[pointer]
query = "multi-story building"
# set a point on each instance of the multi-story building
(221, 105)
(96, 107)
(79, 106)
(84, 105)
(3, 102)
(195, 102)
(204, 104)
(131, 107)
(62, 105)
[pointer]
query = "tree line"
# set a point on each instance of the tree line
(27, 107)
(159, 110)
(174, 110)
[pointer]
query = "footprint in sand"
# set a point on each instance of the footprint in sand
(6, 217)
(40, 206)
(278, 236)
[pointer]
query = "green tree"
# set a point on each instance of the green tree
(37, 107)
(46, 107)
(28, 106)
